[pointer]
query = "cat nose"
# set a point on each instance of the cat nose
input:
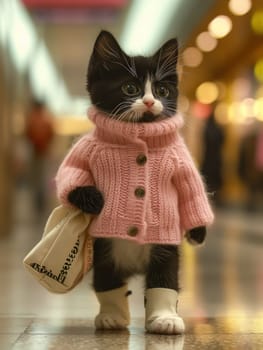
(148, 102)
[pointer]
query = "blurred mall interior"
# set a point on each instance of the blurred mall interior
(44, 51)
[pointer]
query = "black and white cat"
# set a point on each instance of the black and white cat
(133, 90)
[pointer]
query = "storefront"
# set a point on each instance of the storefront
(222, 74)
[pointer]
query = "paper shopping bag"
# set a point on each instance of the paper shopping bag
(65, 252)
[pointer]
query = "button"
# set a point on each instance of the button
(139, 192)
(141, 159)
(133, 231)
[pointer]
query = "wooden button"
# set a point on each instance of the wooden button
(141, 159)
(133, 231)
(139, 192)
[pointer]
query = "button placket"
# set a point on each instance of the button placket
(141, 160)
(139, 193)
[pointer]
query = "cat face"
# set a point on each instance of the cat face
(135, 89)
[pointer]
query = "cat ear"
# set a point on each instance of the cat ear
(166, 57)
(107, 48)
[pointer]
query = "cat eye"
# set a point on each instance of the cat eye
(162, 91)
(130, 89)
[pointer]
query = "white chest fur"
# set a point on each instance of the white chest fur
(130, 256)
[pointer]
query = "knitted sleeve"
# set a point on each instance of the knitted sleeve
(194, 207)
(74, 170)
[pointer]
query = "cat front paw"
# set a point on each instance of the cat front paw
(87, 198)
(172, 324)
(196, 235)
(161, 312)
(110, 321)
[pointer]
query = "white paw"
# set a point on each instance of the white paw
(109, 321)
(166, 325)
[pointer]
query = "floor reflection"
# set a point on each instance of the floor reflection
(221, 299)
(207, 334)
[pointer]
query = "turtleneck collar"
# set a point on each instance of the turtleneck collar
(155, 134)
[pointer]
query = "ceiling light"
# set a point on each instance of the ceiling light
(20, 33)
(146, 25)
(192, 57)
(220, 26)
(207, 92)
(206, 42)
(4, 19)
(239, 8)
(45, 81)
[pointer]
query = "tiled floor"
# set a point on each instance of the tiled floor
(76, 334)
(221, 299)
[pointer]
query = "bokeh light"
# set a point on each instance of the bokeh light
(258, 70)
(220, 26)
(207, 92)
(259, 108)
(257, 22)
(239, 7)
(245, 111)
(192, 57)
(206, 42)
(234, 113)
(247, 108)
(259, 92)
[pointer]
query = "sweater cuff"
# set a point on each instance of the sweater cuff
(196, 213)
(68, 180)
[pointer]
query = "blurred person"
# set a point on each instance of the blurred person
(250, 165)
(40, 133)
(211, 166)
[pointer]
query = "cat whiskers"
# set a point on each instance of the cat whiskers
(170, 104)
(128, 68)
(168, 66)
(131, 66)
(123, 112)
(135, 116)
(169, 111)
(116, 57)
(125, 116)
(106, 47)
(124, 105)
(129, 116)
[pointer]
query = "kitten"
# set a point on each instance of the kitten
(133, 90)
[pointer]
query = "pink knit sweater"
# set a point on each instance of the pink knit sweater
(151, 187)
